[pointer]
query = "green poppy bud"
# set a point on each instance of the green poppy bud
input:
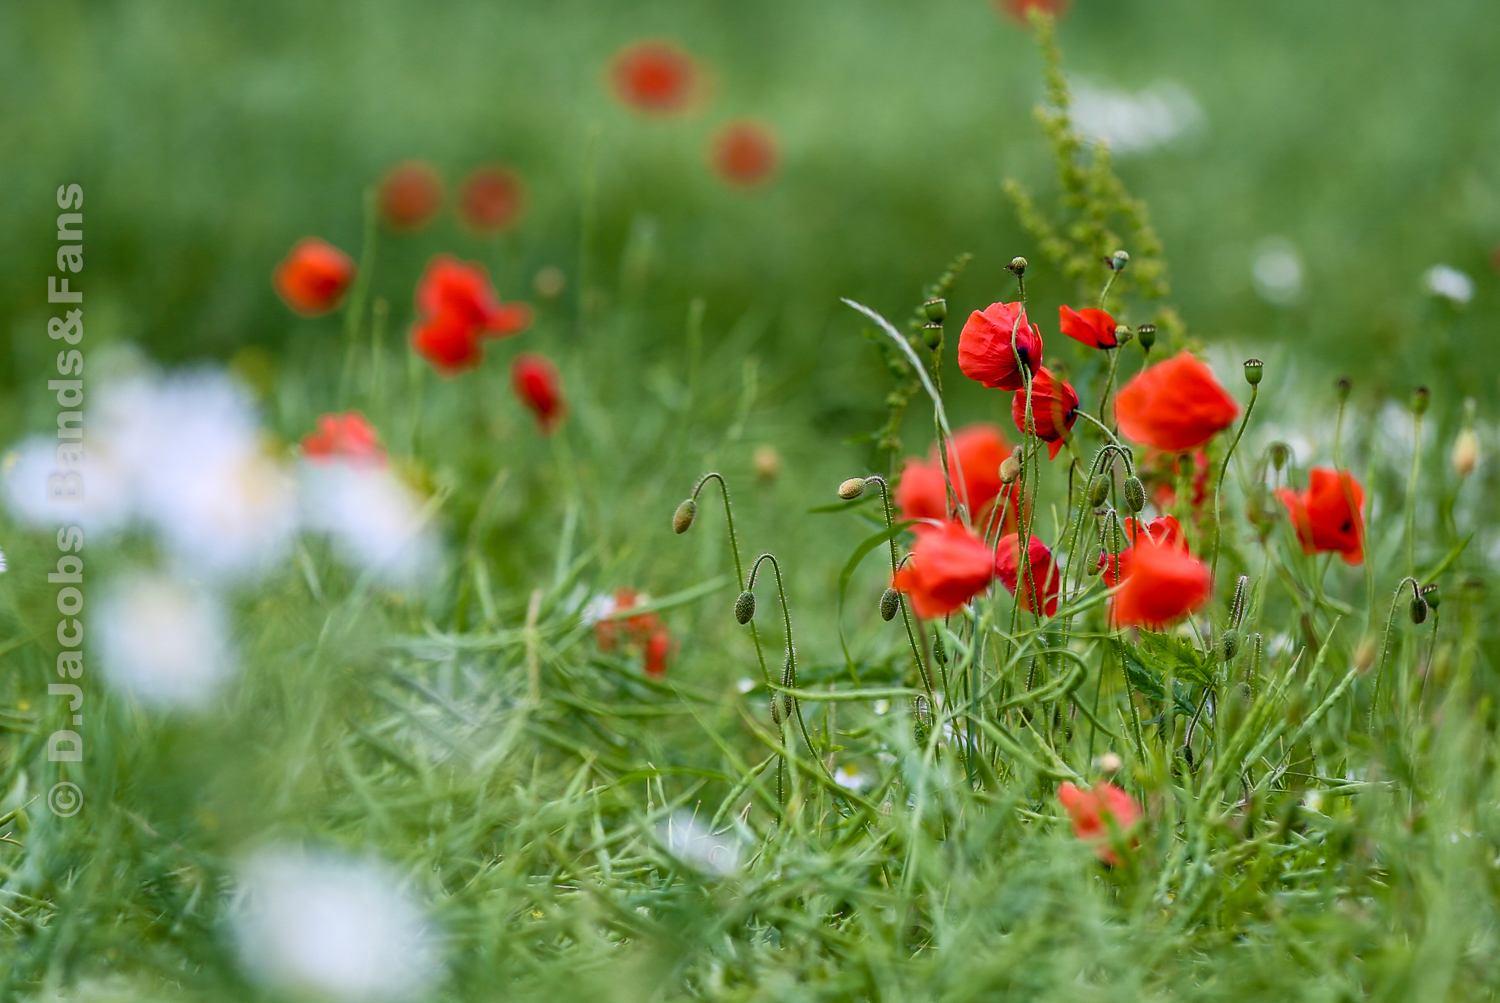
(1418, 609)
(1098, 489)
(1229, 644)
(890, 604)
(744, 607)
(1342, 388)
(1017, 265)
(1135, 493)
(1419, 400)
(852, 488)
(683, 518)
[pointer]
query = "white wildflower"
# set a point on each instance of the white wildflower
(1277, 271)
(375, 521)
(1449, 283)
(691, 842)
(163, 642)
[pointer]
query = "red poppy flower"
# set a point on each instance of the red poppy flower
(1021, 9)
(1175, 405)
(1163, 584)
(646, 630)
(1165, 531)
(1054, 409)
(974, 457)
(313, 277)
(1329, 515)
(535, 380)
(948, 567)
(410, 195)
(490, 199)
(658, 646)
(985, 351)
(1094, 328)
(653, 76)
(744, 153)
(459, 307)
(1089, 809)
(346, 436)
(1041, 580)
(1160, 472)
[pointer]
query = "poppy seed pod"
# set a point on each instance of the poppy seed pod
(932, 334)
(744, 607)
(1419, 400)
(1122, 333)
(890, 604)
(1253, 370)
(682, 519)
(1098, 489)
(1135, 493)
(1119, 260)
(935, 310)
(1418, 609)
(852, 488)
(1146, 334)
(1280, 452)
(1017, 265)
(1432, 596)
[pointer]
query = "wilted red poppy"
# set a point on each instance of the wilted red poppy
(744, 153)
(410, 194)
(346, 436)
(1021, 9)
(1092, 812)
(1175, 405)
(1329, 515)
(985, 350)
(314, 276)
(974, 457)
(1039, 582)
(490, 199)
(1165, 531)
(1163, 584)
(948, 567)
(1054, 409)
(1094, 328)
(449, 342)
(535, 380)
(654, 76)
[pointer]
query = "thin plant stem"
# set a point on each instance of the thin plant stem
(1219, 486)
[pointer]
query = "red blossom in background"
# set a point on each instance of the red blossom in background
(974, 457)
(948, 567)
(1165, 531)
(458, 307)
(448, 342)
(1161, 470)
(410, 195)
(314, 276)
(1094, 328)
(744, 153)
(1089, 809)
(1021, 9)
(1175, 405)
(1054, 409)
(654, 77)
(346, 436)
(646, 630)
(1328, 516)
(536, 382)
(985, 352)
(1163, 584)
(490, 199)
(1039, 583)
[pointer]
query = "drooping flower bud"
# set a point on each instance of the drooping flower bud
(939, 650)
(1147, 335)
(852, 488)
(1253, 369)
(744, 607)
(1465, 452)
(1010, 467)
(1135, 493)
(1119, 260)
(932, 334)
(1418, 609)
(1098, 489)
(1342, 388)
(1419, 400)
(1280, 453)
(1017, 265)
(682, 519)
(890, 604)
(935, 309)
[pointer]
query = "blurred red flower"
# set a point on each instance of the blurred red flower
(346, 436)
(449, 342)
(314, 276)
(536, 382)
(490, 199)
(1160, 472)
(974, 457)
(1094, 328)
(1328, 516)
(744, 153)
(410, 195)
(458, 307)
(948, 567)
(1041, 581)
(658, 647)
(985, 351)
(646, 630)
(653, 76)
(1021, 9)
(1164, 530)
(1175, 405)
(1089, 809)
(1054, 409)
(1162, 584)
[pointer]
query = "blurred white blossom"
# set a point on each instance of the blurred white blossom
(164, 642)
(694, 844)
(1277, 271)
(332, 926)
(1449, 283)
(851, 778)
(1131, 122)
(375, 521)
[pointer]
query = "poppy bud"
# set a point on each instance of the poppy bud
(1017, 265)
(1253, 368)
(1237, 604)
(1280, 453)
(1010, 467)
(1432, 596)
(682, 519)
(852, 488)
(921, 720)
(1098, 489)
(890, 604)
(1229, 644)
(1111, 762)
(744, 607)
(767, 462)
(1465, 453)
(939, 651)
(1419, 399)
(1135, 493)
(932, 335)
(1147, 335)
(1119, 260)
(1342, 388)
(1418, 609)
(935, 309)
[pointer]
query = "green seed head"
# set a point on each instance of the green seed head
(1253, 369)
(1146, 335)
(1119, 260)
(1419, 400)
(932, 334)
(1432, 596)
(935, 309)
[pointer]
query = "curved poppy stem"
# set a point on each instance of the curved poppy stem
(1114, 440)
(734, 548)
(789, 673)
(916, 652)
(1219, 487)
(1109, 384)
(1385, 647)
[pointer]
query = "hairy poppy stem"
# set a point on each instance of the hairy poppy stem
(916, 651)
(355, 314)
(1411, 498)
(734, 548)
(1385, 647)
(1213, 569)
(789, 672)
